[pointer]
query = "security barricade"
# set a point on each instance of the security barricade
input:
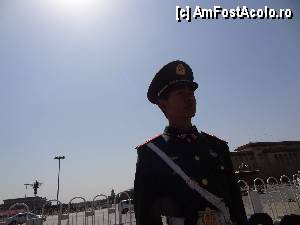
(100, 211)
(123, 216)
(77, 212)
(54, 216)
(245, 189)
(264, 196)
(296, 180)
(276, 198)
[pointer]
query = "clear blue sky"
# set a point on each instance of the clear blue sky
(74, 76)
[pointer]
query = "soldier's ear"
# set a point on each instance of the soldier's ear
(162, 105)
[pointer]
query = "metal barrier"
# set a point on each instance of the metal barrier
(120, 215)
(84, 217)
(296, 180)
(265, 194)
(287, 193)
(274, 198)
(58, 215)
(273, 191)
(245, 189)
(94, 207)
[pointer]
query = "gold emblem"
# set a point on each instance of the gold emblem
(208, 217)
(197, 157)
(180, 70)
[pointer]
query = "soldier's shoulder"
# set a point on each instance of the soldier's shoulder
(212, 138)
(156, 138)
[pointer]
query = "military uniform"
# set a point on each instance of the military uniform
(158, 190)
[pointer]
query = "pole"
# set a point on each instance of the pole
(58, 180)
(59, 158)
(26, 188)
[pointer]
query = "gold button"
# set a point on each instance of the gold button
(197, 157)
(194, 136)
(222, 167)
(204, 182)
(213, 153)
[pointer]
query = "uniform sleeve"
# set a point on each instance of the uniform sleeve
(145, 194)
(237, 210)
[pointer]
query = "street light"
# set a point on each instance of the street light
(59, 158)
(26, 187)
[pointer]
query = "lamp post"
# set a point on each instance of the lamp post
(59, 158)
(26, 187)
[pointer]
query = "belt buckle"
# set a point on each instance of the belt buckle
(208, 217)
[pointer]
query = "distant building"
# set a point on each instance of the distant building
(32, 202)
(270, 158)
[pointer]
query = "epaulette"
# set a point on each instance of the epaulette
(209, 136)
(147, 141)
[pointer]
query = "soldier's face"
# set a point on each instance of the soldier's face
(180, 103)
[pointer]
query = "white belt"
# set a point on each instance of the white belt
(223, 210)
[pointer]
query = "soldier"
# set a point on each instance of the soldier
(189, 192)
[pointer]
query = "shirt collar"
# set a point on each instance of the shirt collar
(177, 132)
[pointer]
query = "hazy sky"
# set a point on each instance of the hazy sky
(74, 77)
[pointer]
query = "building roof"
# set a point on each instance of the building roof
(266, 144)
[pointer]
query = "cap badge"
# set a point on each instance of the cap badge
(180, 70)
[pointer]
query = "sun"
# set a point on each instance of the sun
(78, 14)
(77, 6)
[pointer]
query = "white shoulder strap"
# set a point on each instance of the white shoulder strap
(214, 200)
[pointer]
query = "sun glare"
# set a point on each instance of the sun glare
(78, 14)
(77, 6)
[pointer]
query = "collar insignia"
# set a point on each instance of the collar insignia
(213, 153)
(194, 136)
(182, 136)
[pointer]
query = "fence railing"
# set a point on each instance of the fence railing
(80, 214)
(276, 197)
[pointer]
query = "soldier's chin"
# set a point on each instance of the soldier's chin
(191, 114)
(191, 111)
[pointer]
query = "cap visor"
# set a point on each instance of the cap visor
(182, 84)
